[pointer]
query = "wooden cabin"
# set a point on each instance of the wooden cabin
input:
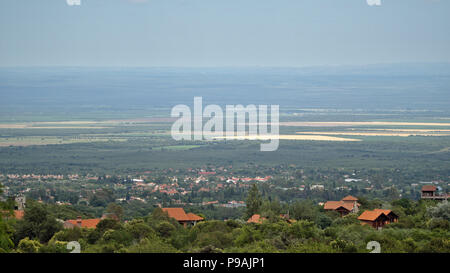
(375, 219)
(428, 191)
(348, 204)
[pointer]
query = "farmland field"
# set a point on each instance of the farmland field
(359, 122)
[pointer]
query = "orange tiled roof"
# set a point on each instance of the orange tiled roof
(385, 211)
(19, 214)
(86, 223)
(256, 218)
(370, 215)
(349, 198)
(180, 215)
(194, 217)
(429, 188)
(333, 205)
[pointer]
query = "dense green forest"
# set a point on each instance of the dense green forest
(127, 155)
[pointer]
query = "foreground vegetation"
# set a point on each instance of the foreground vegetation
(424, 226)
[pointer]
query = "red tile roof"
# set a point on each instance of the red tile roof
(385, 211)
(85, 223)
(180, 215)
(370, 215)
(429, 188)
(256, 218)
(194, 217)
(19, 214)
(333, 205)
(349, 198)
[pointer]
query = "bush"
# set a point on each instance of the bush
(28, 246)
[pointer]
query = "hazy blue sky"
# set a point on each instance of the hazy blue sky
(222, 32)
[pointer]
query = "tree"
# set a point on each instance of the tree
(29, 246)
(254, 201)
(107, 224)
(5, 236)
(165, 229)
(303, 210)
(377, 181)
(441, 211)
(138, 229)
(116, 210)
(37, 224)
(5, 230)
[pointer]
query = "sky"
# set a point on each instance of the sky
(202, 33)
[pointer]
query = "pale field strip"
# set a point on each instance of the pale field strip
(358, 123)
(68, 127)
(73, 124)
(410, 130)
(31, 141)
(220, 136)
(443, 150)
(37, 126)
(288, 137)
(372, 134)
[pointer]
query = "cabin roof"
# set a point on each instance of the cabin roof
(370, 215)
(180, 215)
(256, 218)
(194, 217)
(429, 188)
(386, 211)
(85, 223)
(19, 214)
(349, 198)
(333, 205)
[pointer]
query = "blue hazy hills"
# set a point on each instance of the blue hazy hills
(395, 86)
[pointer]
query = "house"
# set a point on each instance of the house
(348, 204)
(377, 218)
(338, 206)
(430, 192)
(317, 187)
(256, 218)
(82, 223)
(182, 217)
